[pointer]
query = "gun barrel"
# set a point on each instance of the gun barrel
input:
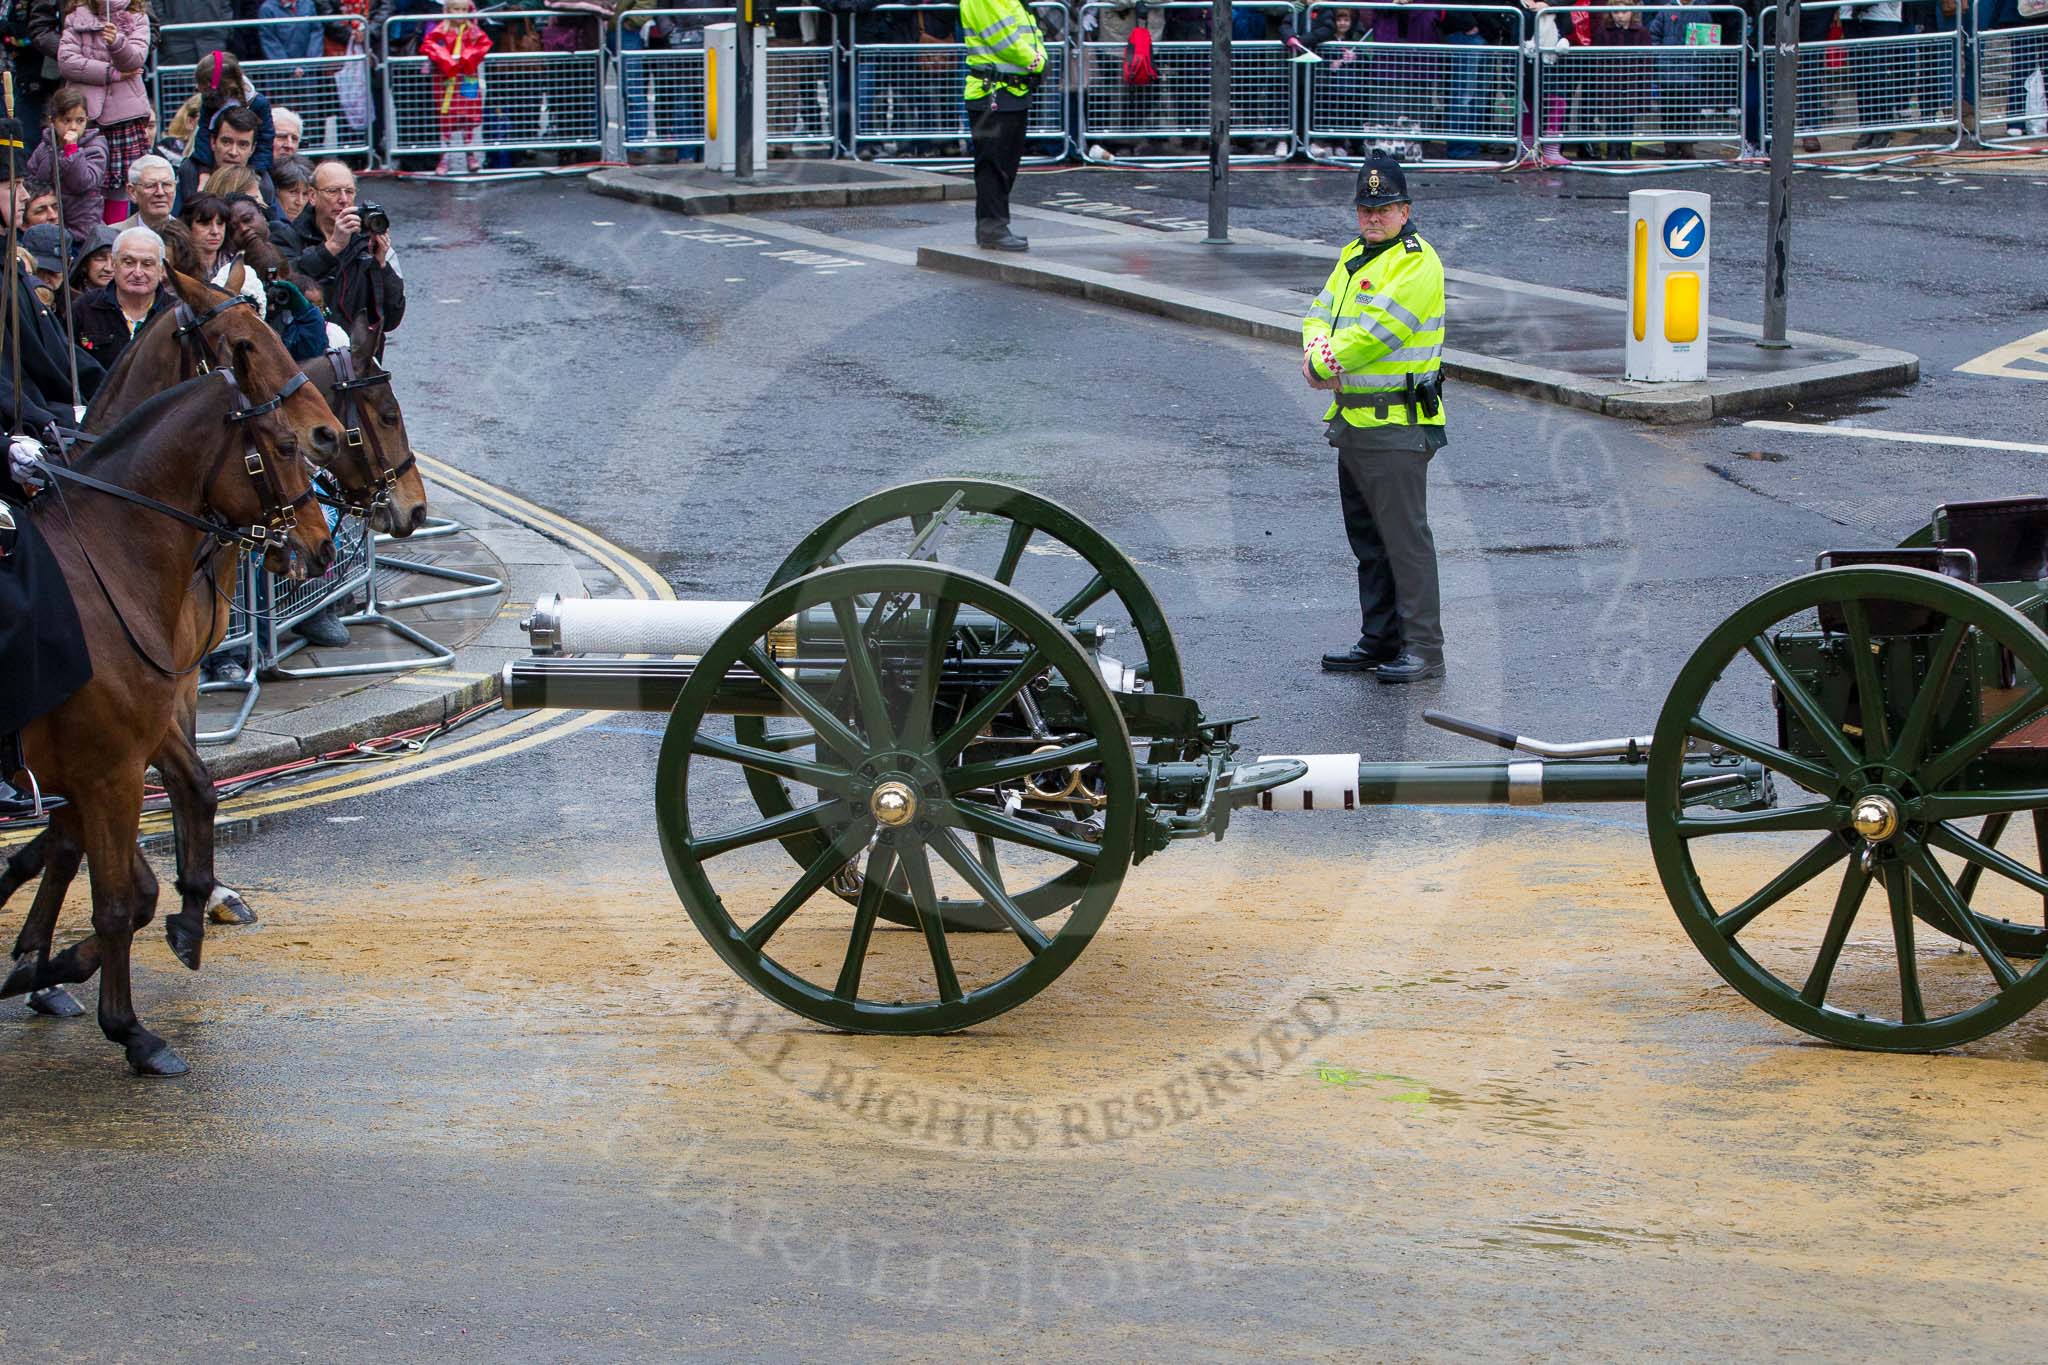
(1521, 782)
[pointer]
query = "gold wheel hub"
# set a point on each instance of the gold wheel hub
(1876, 818)
(893, 804)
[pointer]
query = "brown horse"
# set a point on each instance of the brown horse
(217, 465)
(378, 480)
(375, 468)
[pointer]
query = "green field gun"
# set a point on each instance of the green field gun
(894, 733)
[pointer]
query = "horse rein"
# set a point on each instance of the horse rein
(384, 476)
(279, 512)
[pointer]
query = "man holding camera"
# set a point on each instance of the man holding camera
(1005, 57)
(1374, 340)
(350, 256)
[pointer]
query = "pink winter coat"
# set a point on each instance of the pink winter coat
(111, 81)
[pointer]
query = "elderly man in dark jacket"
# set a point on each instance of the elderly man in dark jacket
(354, 268)
(105, 319)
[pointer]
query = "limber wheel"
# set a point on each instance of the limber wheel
(892, 794)
(1894, 689)
(1029, 544)
(2013, 937)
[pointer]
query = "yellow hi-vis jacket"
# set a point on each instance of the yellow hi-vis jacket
(1002, 41)
(1378, 321)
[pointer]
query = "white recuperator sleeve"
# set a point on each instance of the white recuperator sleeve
(1331, 783)
(612, 626)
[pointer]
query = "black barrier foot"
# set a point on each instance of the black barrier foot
(55, 1003)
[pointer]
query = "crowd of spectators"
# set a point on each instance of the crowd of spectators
(468, 81)
(105, 205)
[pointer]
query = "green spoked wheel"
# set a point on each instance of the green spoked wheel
(2013, 936)
(1028, 543)
(900, 786)
(1885, 700)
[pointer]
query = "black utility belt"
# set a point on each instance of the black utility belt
(1003, 75)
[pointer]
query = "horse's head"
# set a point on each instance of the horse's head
(260, 486)
(301, 425)
(377, 467)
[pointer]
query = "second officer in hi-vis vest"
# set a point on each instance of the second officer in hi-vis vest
(1375, 341)
(1005, 58)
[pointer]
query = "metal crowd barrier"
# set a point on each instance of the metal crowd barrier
(532, 101)
(1140, 120)
(888, 79)
(264, 609)
(276, 605)
(2007, 59)
(662, 87)
(331, 95)
(240, 644)
(906, 90)
(1366, 94)
(1870, 87)
(1675, 95)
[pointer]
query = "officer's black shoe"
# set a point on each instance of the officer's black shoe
(1008, 241)
(323, 628)
(224, 668)
(1409, 668)
(1356, 660)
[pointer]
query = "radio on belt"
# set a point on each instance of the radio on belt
(1667, 284)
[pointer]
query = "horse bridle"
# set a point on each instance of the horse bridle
(384, 475)
(279, 512)
(275, 531)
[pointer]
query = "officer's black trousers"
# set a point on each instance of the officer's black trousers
(1386, 517)
(998, 148)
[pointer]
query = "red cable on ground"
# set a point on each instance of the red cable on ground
(360, 751)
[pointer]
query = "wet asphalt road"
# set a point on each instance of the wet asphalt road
(705, 405)
(427, 1144)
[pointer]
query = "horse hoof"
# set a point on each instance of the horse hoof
(186, 942)
(55, 1003)
(162, 1062)
(229, 909)
(22, 979)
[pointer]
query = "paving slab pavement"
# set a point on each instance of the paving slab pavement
(296, 718)
(1561, 345)
(786, 184)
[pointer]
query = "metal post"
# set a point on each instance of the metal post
(1219, 123)
(1784, 107)
(743, 94)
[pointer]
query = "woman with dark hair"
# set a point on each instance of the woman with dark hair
(207, 218)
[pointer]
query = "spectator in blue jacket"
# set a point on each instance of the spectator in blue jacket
(300, 37)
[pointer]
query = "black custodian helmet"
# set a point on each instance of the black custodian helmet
(1381, 181)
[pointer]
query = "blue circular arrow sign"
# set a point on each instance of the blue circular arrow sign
(1685, 232)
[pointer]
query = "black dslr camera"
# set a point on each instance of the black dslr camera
(375, 220)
